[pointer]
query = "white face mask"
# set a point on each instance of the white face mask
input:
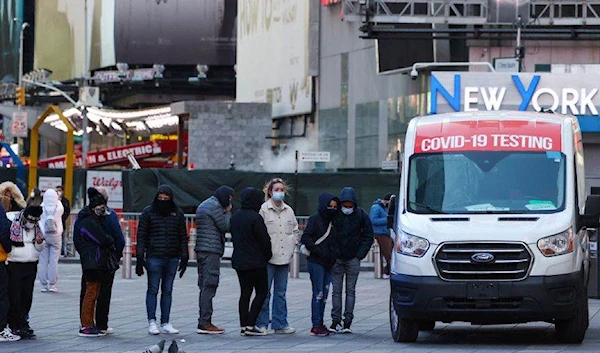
(347, 211)
(29, 225)
(278, 195)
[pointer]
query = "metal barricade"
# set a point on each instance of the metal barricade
(127, 254)
(377, 268)
(295, 265)
(192, 244)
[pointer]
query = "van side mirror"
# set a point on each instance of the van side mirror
(391, 216)
(591, 218)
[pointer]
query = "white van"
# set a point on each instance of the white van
(490, 225)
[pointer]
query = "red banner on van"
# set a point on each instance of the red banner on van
(488, 135)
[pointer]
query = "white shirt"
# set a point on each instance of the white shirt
(283, 229)
(30, 252)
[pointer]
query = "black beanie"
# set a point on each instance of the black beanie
(33, 213)
(95, 198)
(222, 194)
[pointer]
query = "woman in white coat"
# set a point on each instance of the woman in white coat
(51, 226)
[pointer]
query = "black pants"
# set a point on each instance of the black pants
(252, 280)
(103, 302)
(3, 296)
(21, 279)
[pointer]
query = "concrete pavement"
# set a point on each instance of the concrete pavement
(55, 319)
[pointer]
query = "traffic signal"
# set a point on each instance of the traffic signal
(20, 96)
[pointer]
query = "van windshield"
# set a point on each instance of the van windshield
(486, 182)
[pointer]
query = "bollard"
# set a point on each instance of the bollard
(377, 261)
(295, 265)
(127, 255)
(192, 244)
(369, 257)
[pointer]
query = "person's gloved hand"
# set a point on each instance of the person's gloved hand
(139, 266)
(183, 265)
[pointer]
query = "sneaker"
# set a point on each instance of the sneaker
(242, 331)
(90, 332)
(209, 329)
(255, 331)
(108, 331)
(386, 276)
(335, 327)
(153, 328)
(347, 328)
(44, 289)
(320, 331)
(7, 336)
(168, 328)
(286, 330)
(263, 329)
(53, 289)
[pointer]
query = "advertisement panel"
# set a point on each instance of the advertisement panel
(272, 55)
(112, 181)
(9, 39)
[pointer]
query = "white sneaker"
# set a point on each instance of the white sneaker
(263, 329)
(53, 289)
(153, 328)
(168, 328)
(287, 330)
(108, 331)
(44, 289)
(385, 276)
(7, 336)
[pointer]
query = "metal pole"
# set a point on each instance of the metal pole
(86, 139)
(192, 244)
(377, 260)
(21, 37)
(127, 255)
(295, 265)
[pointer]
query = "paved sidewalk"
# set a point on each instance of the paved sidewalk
(55, 318)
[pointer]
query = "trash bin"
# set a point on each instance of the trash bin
(593, 288)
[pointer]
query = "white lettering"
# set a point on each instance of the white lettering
(586, 101)
(569, 102)
(551, 93)
(493, 101)
(469, 99)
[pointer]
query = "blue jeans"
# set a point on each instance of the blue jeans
(278, 278)
(160, 270)
(320, 277)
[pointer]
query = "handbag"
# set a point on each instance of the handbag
(303, 248)
(112, 264)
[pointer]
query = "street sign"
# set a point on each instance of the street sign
(314, 156)
(389, 165)
(506, 65)
(18, 126)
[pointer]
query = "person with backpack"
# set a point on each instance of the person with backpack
(51, 226)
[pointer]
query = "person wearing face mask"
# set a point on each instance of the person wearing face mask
(27, 240)
(65, 216)
(51, 226)
(319, 239)
(161, 247)
(212, 223)
(354, 237)
(93, 243)
(283, 229)
(379, 219)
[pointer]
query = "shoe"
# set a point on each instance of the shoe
(108, 331)
(386, 276)
(53, 289)
(153, 328)
(263, 329)
(44, 289)
(286, 330)
(320, 331)
(255, 331)
(209, 329)
(243, 331)
(347, 328)
(6, 335)
(336, 327)
(168, 328)
(90, 332)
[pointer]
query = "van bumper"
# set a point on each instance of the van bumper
(542, 298)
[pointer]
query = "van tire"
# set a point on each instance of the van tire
(573, 330)
(403, 330)
(426, 325)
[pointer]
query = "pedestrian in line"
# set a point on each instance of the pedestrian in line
(113, 228)
(282, 226)
(379, 219)
(251, 253)
(94, 245)
(27, 240)
(354, 234)
(17, 201)
(51, 226)
(34, 198)
(319, 240)
(161, 247)
(212, 222)
(65, 216)
(6, 335)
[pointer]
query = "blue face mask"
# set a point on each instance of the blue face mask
(278, 196)
(347, 211)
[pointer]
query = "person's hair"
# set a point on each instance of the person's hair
(36, 199)
(59, 187)
(269, 187)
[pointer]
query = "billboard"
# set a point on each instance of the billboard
(9, 39)
(272, 55)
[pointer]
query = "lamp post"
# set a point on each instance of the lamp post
(21, 37)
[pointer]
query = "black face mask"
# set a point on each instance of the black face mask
(164, 206)
(330, 213)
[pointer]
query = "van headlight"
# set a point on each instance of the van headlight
(411, 245)
(558, 244)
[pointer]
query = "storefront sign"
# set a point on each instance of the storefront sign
(112, 181)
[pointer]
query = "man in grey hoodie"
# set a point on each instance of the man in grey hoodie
(212, 222)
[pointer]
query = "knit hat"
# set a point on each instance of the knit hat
(32, 213)
(95, 198)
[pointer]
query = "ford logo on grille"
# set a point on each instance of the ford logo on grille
(482, 257)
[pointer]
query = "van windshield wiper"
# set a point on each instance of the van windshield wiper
(427, 207)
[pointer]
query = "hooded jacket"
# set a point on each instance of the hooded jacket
(212, 222)
(251, 241)
(282, 227)
(162, 233)
(52, 208)
(379, 217)
(5, 244)
(17, 201)
(91, 239)
(325, 252)
(355, 231)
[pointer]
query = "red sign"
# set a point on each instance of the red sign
(329, 2)
(115, 155)
(488, 135)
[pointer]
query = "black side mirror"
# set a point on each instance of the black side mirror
(591, 218)
(391, 216)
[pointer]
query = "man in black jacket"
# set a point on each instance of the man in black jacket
(161, 244)
(354, 233)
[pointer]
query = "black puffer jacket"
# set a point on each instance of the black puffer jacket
(325, 252)
(251, 241)
(162, 234)
(355, 231)
(91, 240)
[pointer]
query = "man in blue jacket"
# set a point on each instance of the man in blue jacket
(354, 237)
(379, 219)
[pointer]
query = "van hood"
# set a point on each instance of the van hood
(528, 228)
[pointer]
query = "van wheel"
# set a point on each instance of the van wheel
(573, 330)
(426, 325)
(403, 330)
